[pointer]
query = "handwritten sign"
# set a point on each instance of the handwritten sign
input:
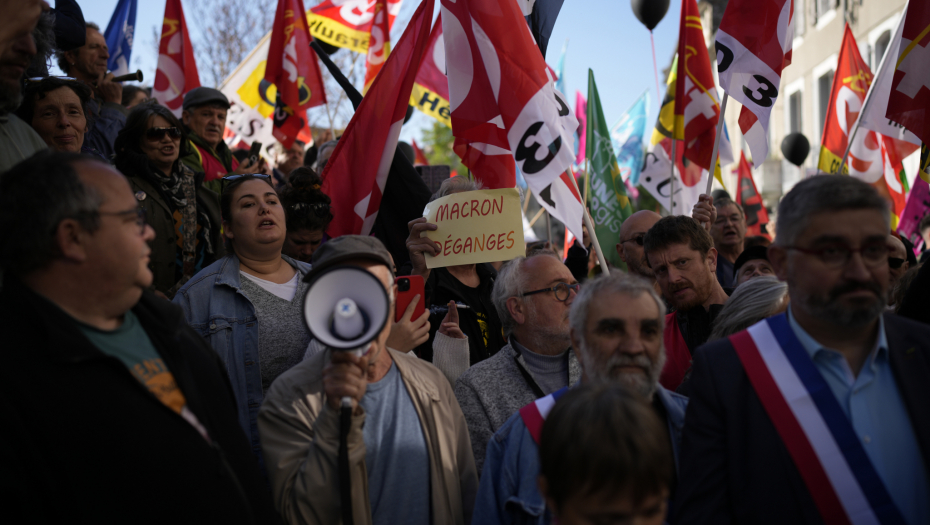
(476, 227)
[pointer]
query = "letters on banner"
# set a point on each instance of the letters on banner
(347, 23)
(476, 227)
(431, 88)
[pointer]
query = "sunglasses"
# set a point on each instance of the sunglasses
(232, 178)
(319, 209)
(156, 134)
(894, 263)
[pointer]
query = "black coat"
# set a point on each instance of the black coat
(84, 441)
(735, 467)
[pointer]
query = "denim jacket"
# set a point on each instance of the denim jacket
(216, 308)
(508, 493)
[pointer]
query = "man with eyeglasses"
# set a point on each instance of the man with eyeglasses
(630, 247)
(107, 393)
(532, 297)
(819, 414)
(616, 325)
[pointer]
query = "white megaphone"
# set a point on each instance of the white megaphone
(346, 308)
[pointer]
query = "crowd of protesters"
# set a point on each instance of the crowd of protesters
(152, 305)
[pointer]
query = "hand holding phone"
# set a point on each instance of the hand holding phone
(408, 287)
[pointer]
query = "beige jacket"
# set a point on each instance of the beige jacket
(300, 441)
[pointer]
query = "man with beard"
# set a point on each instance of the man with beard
(820, 412)
(630, 247)
(18, 140)
(727, 225)
(616, 326)
(88, 64)
(681, 254)
(532, 297)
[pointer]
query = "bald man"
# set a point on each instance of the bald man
(897, 264)
(630, 247)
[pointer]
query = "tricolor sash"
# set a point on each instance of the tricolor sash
(534, 414)
(820, 438)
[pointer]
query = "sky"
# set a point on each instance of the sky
(602, 35)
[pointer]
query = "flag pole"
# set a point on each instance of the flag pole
(852, 137)
(589, 224)
(713, 155)
(549, 227)
(671, 192)
(537, 216)
(587, 184)
(526, 199)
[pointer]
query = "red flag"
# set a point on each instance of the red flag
(419, 159)
(909, 102)
(502, 93)
(489, 164)
(347, 23)
(379, 44)
(696, 106)
(889, 185)
(358, 169)
(177, 70)
(748, 197)
(850, 84)
(292, 68)
(431, 88)
(753, 46)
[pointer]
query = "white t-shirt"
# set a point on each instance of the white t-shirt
(285, 291)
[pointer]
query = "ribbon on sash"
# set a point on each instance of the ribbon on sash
(820, 438)
(534, 414)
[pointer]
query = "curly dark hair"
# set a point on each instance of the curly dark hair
(306, 207)
(36, 91)
(129, 138)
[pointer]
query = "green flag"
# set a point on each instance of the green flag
(609, 203)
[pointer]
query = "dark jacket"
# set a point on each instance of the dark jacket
(107, 120)
(735, 467)
(441, 287)
(85, 441)
(166, 247)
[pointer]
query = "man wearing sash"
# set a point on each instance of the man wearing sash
(821, 414)
(616, 325)
(683, 257)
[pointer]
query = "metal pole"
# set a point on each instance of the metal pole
(713, 155)
(586, 218)
(671, 193)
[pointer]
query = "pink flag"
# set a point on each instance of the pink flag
(581, 113)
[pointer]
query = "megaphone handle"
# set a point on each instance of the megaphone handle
(347, 401)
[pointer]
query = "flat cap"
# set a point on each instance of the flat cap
(200, 96)
(346, 248)
(749, 254)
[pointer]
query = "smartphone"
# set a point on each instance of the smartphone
(409, 286)
(254, 151)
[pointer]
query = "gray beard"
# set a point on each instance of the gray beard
(644, 385)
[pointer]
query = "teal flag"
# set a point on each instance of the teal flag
(608, 201)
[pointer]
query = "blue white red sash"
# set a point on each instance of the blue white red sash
(534, 414)
(839, 475)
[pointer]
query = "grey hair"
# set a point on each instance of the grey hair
(63, 63)
(44, 189)
(753, 301)
(614, 282)
(455, 185)
(511, 282)
(820, 194)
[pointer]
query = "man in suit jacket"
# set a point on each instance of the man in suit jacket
(735, 468)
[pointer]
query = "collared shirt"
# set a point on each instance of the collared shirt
(874, 406)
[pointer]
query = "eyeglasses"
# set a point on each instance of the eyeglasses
(139, 212)
(156, 134)
(562, 291)
(837, 256)
(894, 263)
(320, 209)
(232, 178)
(638, 239)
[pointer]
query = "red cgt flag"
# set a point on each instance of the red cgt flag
(379, 44)
(909, 102)
(696, 105)
(358, 169)
(748, 197)
(431, 89)
(177, 69)
(347, 23)
(292, 68)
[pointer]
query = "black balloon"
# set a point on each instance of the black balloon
(649, 12)
(795, 147)
(407, 150)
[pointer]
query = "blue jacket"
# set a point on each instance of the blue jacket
(508, 493)
(216, 308)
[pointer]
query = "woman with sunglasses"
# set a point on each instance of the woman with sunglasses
(308, 213)
(184, 214)
(248, 305)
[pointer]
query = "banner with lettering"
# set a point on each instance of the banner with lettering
(476, 227)
(347, 23)
(431, 88)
